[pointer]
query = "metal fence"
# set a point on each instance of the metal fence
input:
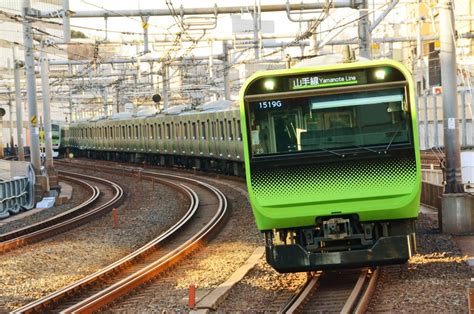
(17, 181)
(430, 118)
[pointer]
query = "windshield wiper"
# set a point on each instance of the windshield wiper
(393, 137)
(369, 149)
(332, 152)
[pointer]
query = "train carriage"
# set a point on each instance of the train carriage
(332, 164)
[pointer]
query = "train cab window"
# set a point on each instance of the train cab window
(203, 130)
(230, 132)
(366, 121)
(193, 130)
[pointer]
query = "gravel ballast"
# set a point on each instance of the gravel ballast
(38, 269)
(434, 280)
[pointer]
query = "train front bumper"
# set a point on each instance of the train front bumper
(385, 251)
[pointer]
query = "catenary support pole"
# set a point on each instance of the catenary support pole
(46, 109)
(166, 79)
(19, 108)
(450, 107)
(66, 22)
(225, 65)
(365, 42)
(31, 88)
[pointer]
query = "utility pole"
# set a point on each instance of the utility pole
(364, 31)
(166, 81)
(105, 100)
(69, 67)
(19, 108)
(31, 88)
(256, 29)
(10, 121)
(450, 106)
(455, 209)
(225, 65)
(46, 109)
(66, 22)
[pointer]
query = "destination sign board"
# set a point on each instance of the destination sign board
(327, 80)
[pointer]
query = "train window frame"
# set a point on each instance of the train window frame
(239, 129)
(203, 130)
(168, 131)
(230, 132)
(387, 88)
(222, 129)
(193, 129)
(185, 129)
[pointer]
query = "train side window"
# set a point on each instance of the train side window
(222, 130)
(230, 132)
(145, 131)
(152, 131)
(203, 130)
(213, 130)
(111, 132)
(123, 132)
(160, 135)
(129, 132)
(168, 131)
(185, 128)
(193, 130)
(136, 131)
(239, 130)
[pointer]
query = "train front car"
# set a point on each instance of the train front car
(332, 164)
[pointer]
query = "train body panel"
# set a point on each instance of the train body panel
(195, 139)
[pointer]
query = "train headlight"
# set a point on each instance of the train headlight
(380, 74)
(269, 84)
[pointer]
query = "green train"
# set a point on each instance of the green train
(206, 138)
(332, 164)
(330, 155)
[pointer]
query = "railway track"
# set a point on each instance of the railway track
(346, 291)
(72, 218)
(205, 215)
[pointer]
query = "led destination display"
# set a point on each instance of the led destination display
(327, 80)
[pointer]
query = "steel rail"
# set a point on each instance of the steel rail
(72, 222)
(356, 302)
(35, 232)
(126, 285)
(44, 303)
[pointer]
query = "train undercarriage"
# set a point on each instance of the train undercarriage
(227, 167)
(336, 242)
